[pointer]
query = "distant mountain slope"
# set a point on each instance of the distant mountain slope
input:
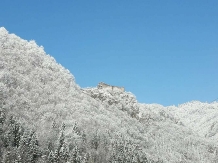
(41, 93)
(202, 118)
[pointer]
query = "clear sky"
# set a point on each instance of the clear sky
(163, 51)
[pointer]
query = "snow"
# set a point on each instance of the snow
(34, 87)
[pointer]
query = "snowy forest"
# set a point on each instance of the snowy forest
(45, 117)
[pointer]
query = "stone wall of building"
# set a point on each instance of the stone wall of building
(102, 85)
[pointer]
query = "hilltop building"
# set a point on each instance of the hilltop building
(102, 85)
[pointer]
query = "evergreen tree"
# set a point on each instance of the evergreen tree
(75, 158)
(50, 157)
(29, 147)
(95, 142)
(76, 129)
(61, 151)
(64, 153)
(56, 156)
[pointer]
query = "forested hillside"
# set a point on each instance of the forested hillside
(45, 117)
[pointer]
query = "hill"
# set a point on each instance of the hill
(42, 105)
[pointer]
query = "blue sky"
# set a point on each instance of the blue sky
(164, 52)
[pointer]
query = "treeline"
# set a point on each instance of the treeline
(19, 144)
